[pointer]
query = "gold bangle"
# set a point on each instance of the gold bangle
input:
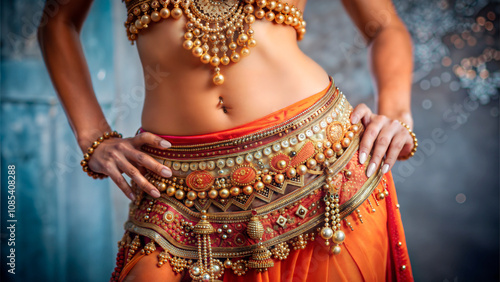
(415, 142)
(86, 157)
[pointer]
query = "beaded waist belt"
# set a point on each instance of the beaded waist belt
(239, 202)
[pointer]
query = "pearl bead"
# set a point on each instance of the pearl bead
(281, 164)
(233, 46)
(216, 269)
(188, 44)
(195, 270)
(336, 250)
(165, 13)
(138, 24)
(205, 58)
(270, 16)
(329, 153)
(202, 195)
(280, 18)
(235, 57)
(205, 277)
(260, 14)
(215, 61)
(311, 163)
(346, 142)
(338, 236)
(326, 233)
(179, 194)
(145, 20)
(243, 37)
(218, 79)
(224, 193)
(225, 60)
(250, 19)
(245, 51)
(267, 179)
(197, 51)
(155, 16)
(252, 42)
(176, 13)
(301, 169)
(320, 157)
(228, 263)
(291, 172)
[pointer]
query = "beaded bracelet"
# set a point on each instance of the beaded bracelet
(90, 151)
(415, 142)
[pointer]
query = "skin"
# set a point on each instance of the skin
(181, 99)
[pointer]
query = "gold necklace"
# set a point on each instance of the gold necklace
(217, 31)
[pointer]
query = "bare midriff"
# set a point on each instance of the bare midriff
(181, 98)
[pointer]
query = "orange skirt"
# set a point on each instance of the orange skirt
(374, 248)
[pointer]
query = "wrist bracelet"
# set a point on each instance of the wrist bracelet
(90, 151)
(415, 142)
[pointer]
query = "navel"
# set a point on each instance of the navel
(221, 105)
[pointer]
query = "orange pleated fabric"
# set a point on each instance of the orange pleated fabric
(375, 250)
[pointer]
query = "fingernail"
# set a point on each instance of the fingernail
(131, 196)
(155, 193)
(362, 158)
(354, 119)
(371, 170)
(166, 172)
(165, 144)
(385, 168)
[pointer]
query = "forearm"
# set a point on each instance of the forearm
(63, 54)
(392, 65)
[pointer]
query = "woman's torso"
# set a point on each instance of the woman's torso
(182, 100)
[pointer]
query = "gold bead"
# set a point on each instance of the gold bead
(189, 203)
(212, 194)
(179, 194)
(280, 18)
(281, 164)
(260, 14)
(346, 142)
(191, 195)
(291, 172)
(248, 190)
(267, 179)
(202, 195)
(279, 178)
(170, 191)
(162, 186)
(224, 193)
(235, 191)
(259, 185)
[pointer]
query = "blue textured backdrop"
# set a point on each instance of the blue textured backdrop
(68, 225)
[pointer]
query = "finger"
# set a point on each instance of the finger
(138, 178)
(383, 141)
(148, 162)
(120, 181)
(359, 112)
(408, 146)
(371, 133)
(150, 139)
(394, 150)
